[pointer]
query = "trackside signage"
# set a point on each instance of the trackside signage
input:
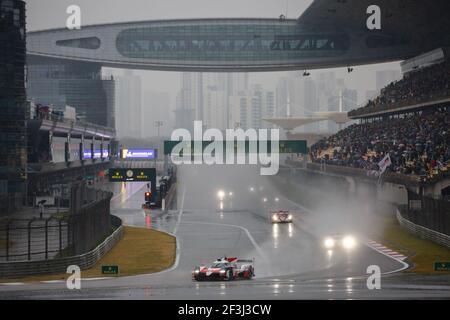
(234, 146)
(285, 146)
(442, 266)
(110, 270)
(132, 175)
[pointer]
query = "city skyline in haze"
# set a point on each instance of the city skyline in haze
(362, 79)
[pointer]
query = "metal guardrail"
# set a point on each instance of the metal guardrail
(84, 261)
(34, 239)
(170, 197)
(433, 214)
(392, 177)
(423, 232)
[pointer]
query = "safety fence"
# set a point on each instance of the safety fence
(427, 212)
(15, 269)
(59, 235)
(421, 231)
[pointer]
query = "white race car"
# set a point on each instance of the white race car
(225, 269)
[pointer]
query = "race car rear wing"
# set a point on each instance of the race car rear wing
(246, 261)
(241, 260)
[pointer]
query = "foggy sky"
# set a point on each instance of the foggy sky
(44, 14)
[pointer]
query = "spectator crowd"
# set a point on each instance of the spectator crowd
(417, 143)
(418, 86)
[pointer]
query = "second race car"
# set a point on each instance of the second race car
(280, 216)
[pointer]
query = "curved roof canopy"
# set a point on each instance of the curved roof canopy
(328, 34)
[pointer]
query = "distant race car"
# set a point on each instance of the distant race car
(225, 269)
(281, 216)
(339, 240)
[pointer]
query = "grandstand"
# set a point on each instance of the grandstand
(422, 86)
(409, 120)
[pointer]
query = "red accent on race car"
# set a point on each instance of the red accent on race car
(210, 270)
(232, 259)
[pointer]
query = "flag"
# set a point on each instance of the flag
(384, 164)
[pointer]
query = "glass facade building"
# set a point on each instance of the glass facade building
(13, 159)
(237, 42)
(77, 84)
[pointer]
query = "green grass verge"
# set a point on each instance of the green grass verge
(140, 251)
(422, 253)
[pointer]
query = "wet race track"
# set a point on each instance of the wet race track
(290, 260)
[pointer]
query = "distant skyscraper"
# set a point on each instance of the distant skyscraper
(349, 99)
(385, 77)
(371, 94)
(128, 108)
(295, 96)
(215, 115)
(248, 108)
(156, 107)
(207, 97)
(282, 98)
(189, 104)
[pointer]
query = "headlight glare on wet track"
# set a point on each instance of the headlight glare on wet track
(348, 242)
(329, 243)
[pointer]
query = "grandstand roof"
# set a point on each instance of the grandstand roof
(291, 123)
(419, 20)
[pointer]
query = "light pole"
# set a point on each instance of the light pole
(158, 124)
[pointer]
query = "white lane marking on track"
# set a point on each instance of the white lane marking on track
(12, 284)
(96, 279)
(404, 264)
(252, 240)
(180, 213)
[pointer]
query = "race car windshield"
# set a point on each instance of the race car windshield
(219, 265)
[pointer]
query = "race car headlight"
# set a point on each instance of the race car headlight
(221, 194)
(197, 271)
(328, 243)
(222, 271)
(348, 242)
(274, 218)
(290, 217)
